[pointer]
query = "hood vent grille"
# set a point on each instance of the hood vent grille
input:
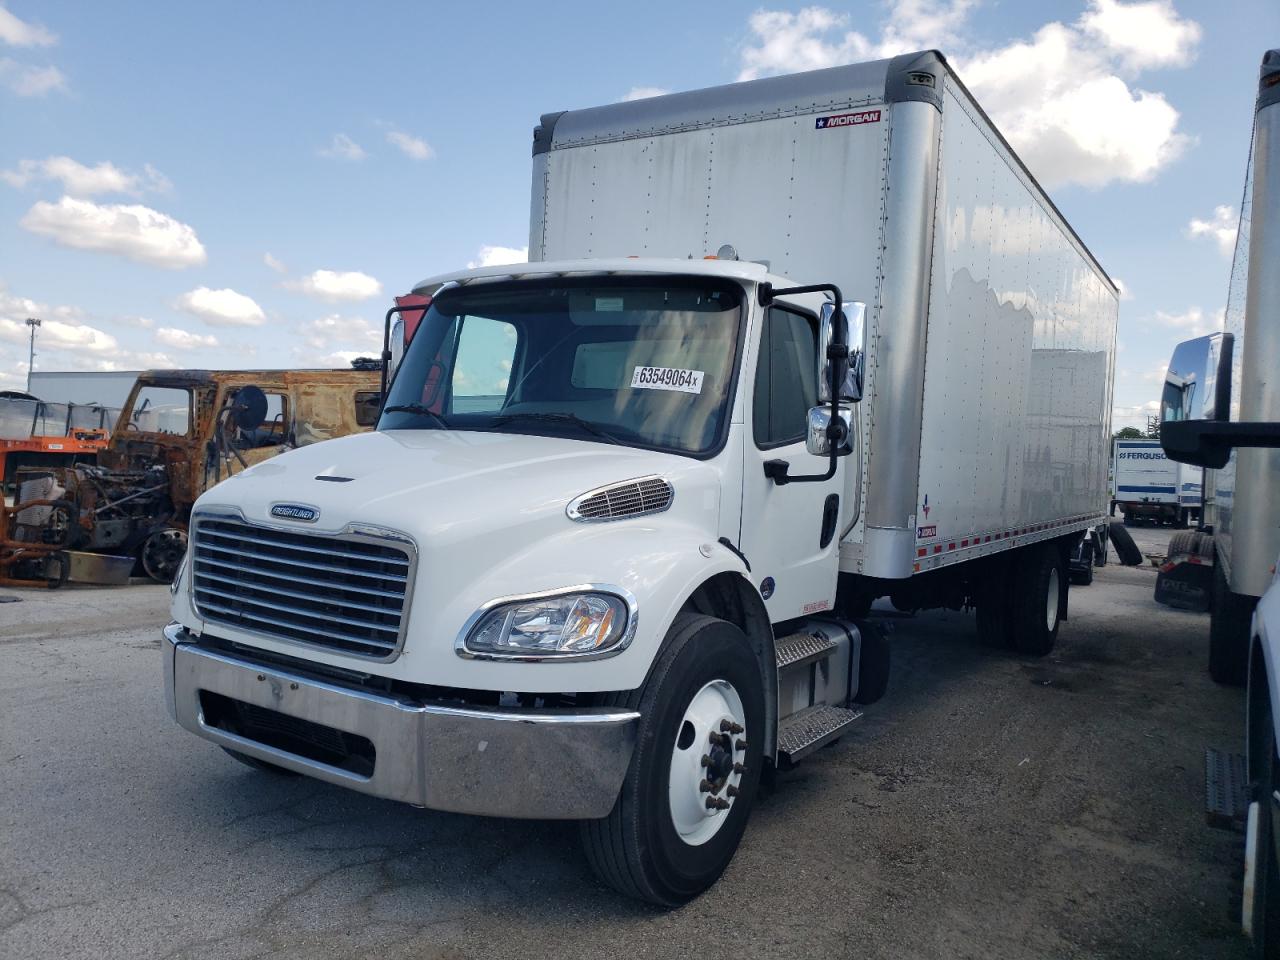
(619, 501)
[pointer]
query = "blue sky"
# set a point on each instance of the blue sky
(153, 155)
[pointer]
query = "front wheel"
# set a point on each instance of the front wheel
(684, 805)
(1037, 604)
(1261, 913)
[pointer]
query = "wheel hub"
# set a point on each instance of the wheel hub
(707, 762)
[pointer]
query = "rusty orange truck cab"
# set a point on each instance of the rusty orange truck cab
(179, 433)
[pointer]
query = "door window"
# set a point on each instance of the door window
(786, 378)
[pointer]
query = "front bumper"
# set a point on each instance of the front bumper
(541, 764)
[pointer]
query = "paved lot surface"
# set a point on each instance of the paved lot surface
(990, 806)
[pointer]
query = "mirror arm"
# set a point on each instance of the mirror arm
(766, 294)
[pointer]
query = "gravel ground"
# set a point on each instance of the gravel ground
(990, 806)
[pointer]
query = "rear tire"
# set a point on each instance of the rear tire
(1229, 620)
(1126, 549)
(1037, 603)
(651, 846)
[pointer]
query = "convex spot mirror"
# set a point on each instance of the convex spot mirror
(1197, 385)
(816, 440)
(850, 388)
(249, 408)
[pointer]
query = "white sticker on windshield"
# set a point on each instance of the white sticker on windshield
(667, 378)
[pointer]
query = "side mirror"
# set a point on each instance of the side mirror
(854, 314)
(1197, 385)
(249, 408)
(816, 438)
(396, 346)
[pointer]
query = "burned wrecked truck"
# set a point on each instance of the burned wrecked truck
(179, 433)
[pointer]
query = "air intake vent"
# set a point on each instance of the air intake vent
(631, 498)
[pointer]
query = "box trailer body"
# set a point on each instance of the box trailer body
(1148, 485)
(606, 555)
(990, 337)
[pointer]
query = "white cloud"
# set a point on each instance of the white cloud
(28, 81)
(1134, 416)
(1221, 229)
(222, 308)
(1125, 292)
(79, 180)
(411, 146)
(1143, 35)
(1058, 96)
(1191, 322)
(20, 33)
(184, 339)
(333, 331)
(644, 93)
(128, 230)
(497, 256)
(335, 285)
(276, 265)
(60, 327)
(342, 147)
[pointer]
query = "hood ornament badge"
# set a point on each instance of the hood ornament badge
(295, 511)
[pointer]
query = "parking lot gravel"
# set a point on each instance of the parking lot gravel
(990, 806)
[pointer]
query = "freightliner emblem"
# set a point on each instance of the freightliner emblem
(295, 511)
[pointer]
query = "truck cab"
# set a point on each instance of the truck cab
(639, 503)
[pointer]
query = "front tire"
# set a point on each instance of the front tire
(684, 805)
(1265, 919)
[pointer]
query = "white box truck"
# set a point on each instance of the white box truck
(1149, 486)
(605, 556)
(1221, 410)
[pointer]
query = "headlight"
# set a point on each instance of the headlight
(572, 623)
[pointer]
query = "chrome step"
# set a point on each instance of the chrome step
(802, 648)
(1226, 789)
(804, 732)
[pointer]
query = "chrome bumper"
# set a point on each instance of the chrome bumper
(541, 764)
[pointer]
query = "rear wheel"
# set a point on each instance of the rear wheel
(684, 805)
(1037, 602)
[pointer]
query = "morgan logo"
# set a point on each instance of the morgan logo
(295, 511)
(847, 119)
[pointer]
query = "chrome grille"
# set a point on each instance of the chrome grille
(631, 498)
(342, 593)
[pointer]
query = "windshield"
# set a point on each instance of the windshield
(624, 361)
(161, 410)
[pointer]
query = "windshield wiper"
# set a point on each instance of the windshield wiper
(572, 418)
(421, 409)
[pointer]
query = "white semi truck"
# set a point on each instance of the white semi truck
(605, 556)
(1149, 486)
(1221, 410)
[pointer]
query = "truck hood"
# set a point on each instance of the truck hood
(443, 487)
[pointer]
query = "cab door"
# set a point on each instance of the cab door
(789, 532)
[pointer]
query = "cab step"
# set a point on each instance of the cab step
(807, 730)
(802, 648)
(1226, 789)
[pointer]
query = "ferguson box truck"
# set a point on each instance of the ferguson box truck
(1148, 485)
(606, 555)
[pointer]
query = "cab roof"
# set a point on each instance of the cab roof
(742, 270)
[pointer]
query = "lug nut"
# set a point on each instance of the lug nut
(706, 760)
(728, 726)
(741, 745)
(706, 786)
(717, 803)
(739, 768)
(731, 791)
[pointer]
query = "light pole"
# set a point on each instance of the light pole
(32, 322)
